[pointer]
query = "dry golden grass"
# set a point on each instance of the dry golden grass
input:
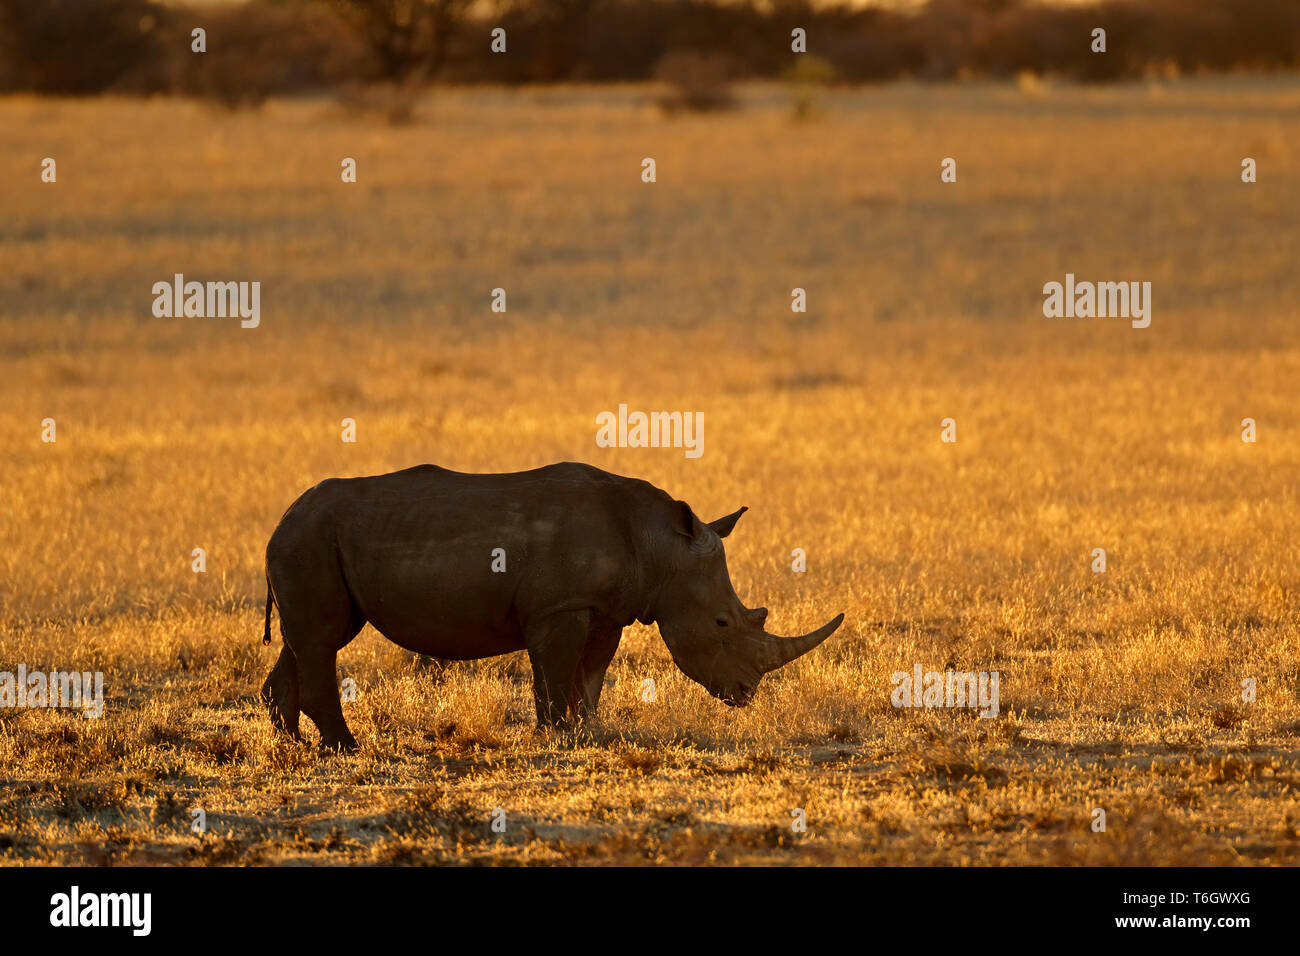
(1119, 691)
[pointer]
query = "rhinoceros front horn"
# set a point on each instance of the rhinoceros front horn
(779, 651)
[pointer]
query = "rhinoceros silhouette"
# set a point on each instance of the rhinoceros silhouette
(555, 561)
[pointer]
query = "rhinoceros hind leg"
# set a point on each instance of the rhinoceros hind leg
(280, 694)
(319, 693)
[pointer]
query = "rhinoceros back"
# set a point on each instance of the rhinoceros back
(454, 565)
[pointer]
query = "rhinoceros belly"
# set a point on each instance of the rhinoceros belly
(423, 574)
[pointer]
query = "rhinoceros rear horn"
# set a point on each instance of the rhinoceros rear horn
(779, 651)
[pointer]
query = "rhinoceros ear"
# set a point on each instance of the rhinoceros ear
(683, 519)
(723, 526)
(694, 530)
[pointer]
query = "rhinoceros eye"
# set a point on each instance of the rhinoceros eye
(722, 622)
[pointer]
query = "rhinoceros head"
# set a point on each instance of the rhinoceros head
(714, 639)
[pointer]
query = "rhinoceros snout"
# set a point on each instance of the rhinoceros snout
(738, 696)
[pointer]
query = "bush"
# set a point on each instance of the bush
(271, 47)
(699, 82)
(78, 46)
(259, 49)
(806, 78)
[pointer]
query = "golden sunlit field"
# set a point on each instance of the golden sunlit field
(1120, 690)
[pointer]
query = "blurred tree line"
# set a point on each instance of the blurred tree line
(269, 47)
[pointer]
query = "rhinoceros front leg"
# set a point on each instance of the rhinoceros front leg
(602, 642)
(555, 645)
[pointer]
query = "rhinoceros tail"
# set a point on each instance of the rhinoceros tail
(270, 602)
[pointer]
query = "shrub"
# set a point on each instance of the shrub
(699, 82)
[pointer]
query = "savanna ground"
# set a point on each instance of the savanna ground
(1119, 691)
